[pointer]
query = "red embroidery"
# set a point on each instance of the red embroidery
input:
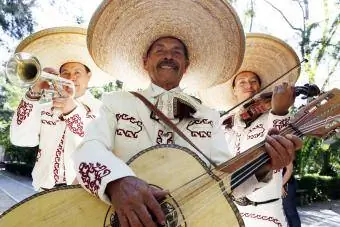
(280, 124)
(202, 134)
(92, 174)
(128, 133)
(262, 217)
(38, 155)
(76, 125)
(48, 122)
(47, 113)
(168, 136)
(58, 153)
(256, 131)
(24, 110)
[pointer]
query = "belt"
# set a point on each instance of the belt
(244, 201)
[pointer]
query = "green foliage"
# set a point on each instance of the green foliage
(98, 91)
(320, 188)
(16, 17)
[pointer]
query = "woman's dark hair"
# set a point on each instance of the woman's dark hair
(257, 76)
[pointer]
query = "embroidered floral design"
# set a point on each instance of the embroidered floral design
(92, 174)
(167, 136)
(256, 131)
(238, 143)
(47, 122)
(46, 113)
(24, 110)
(76, 125)
(57, 158)
(262, 217)
(280, 124)
(199, 133)
(128, 133)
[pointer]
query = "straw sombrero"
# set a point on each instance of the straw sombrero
(55, 46)
(120, 32)
(267, 56)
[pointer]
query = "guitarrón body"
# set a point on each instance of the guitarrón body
(199, 202)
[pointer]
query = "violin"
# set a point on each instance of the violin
(256, 107)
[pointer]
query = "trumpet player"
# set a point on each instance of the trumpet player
(57, 126)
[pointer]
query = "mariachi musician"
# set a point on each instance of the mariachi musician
(166, 47)
(266, 58)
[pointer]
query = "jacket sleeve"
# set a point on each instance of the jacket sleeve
(95, 163)
(279, 122)
(26, 123)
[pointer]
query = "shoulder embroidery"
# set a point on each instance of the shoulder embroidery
(125, 132)
(199, 133)
(24, 110)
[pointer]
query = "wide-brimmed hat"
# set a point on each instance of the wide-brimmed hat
(265, 55)
(120, 33)
(54, 47)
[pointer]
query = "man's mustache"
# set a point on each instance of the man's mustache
(169, 63)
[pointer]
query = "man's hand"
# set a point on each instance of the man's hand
(281, 149)
(283, 97)
(65, 103)
(135, 202)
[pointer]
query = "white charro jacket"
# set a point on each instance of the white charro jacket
(125, 127)
(36, 124)
(240, 138)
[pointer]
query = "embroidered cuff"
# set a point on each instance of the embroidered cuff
(278, 122)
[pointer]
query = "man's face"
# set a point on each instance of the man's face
(246, 85)
(166, 62)
(76, 72)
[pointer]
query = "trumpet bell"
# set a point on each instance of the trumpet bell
(23, 69)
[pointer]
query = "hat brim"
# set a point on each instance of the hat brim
(265, 55)
(120, 32)
(54, 47)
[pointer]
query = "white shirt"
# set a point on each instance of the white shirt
(35, 124)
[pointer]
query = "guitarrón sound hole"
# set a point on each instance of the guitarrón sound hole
(169, 211)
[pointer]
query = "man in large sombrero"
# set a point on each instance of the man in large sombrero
(266, 59)
(58, 126)
(163, 44)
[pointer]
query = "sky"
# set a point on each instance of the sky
(267, 20)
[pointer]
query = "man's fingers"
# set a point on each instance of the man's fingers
(295, 140)
(273, 131)
(133, 219)
(51, 70)
(275, 159)
(145, 217)
(158, 193)
(287, 146)
(155, 209)
(123, 221)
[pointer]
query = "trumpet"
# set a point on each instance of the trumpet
(24, 70)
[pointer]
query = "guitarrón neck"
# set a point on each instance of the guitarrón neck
(244, 165)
